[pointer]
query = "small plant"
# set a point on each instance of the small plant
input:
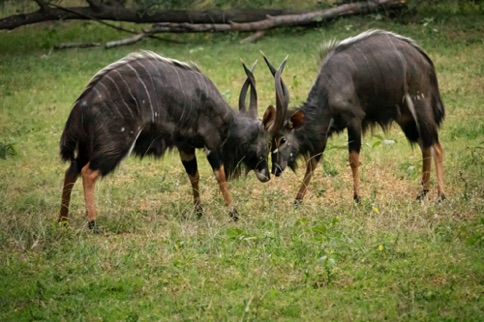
(379, 140)
(329, 169)
(328, 264)
(7, 149)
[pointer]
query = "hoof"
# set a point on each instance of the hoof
(92, 226)
(422, 195)
(441, 197)
(63, 222)
(198, 212)
(234, 215)
(297, 202)
(357, 199)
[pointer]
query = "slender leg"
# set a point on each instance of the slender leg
(222, 182)
(354, 159)
(190, 163)
(438, 158)
(89, 178)
(426, 167)
(354, 147)
(70, 179)
(310, 167)
(219, 171)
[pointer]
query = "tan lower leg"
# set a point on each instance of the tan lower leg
(89, 178)
(222, 183)
(194, 179)
(69, 181)
(310, 167)
(426, 166)
(196, 193)
(438, 158)
(354, 159)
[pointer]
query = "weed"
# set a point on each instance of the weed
(7, 149)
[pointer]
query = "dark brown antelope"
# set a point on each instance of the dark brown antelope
(374, 78)
(146, 104)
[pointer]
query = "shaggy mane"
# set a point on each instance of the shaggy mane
(333, 46)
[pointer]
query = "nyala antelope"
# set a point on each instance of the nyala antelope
(375, 78)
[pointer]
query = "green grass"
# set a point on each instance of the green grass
(390, 258)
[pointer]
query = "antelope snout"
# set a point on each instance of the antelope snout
(263, 175)
(277, 170)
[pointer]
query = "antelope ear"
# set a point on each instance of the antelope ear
(269, 118)
(297, 119)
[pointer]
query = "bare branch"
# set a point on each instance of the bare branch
(127, 41)
(303, 19)
(177, 21)
(116, 13)
(69, 45)
(253, 38)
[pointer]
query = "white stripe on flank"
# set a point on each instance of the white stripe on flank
(120, 94)
(134, 143)
(147, 72)
(411, 107)
(140, 62)
(107, 91)
(179, 81)
(99, 95)
(129, 90)
(155, 67)
(146, 89)
(362, 53)
(183, 92)
(101, 98)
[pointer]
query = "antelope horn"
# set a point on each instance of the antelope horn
(250, 81)
(282, 95)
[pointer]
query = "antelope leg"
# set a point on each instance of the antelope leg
(189, 161)
(354, 159)
(89, 178)
(219, 171)
(438, 158)
(426, 166)
(310, 167)
(354, 147)
(70, 179)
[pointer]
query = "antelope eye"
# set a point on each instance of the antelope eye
(282, 141)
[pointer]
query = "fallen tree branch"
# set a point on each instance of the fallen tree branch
(177, 21)
(126, 41)
(270, 22)
(95, 10)
(253, 38)
(69, 45)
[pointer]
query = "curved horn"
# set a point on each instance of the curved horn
(271, 68)
(250, 81)
(282, 95)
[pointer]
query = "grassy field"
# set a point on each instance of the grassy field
(389, 258)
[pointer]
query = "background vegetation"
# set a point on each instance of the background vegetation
(390, 258)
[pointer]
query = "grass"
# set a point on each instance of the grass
(390, 258)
